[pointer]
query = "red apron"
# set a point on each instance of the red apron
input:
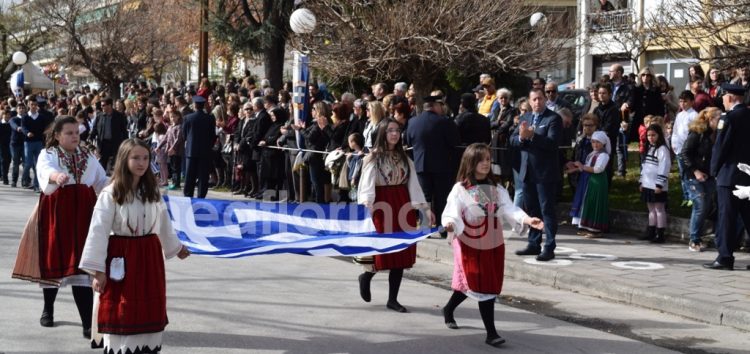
(64, 218)
(387, 221)
(138, 303)
(484, 262)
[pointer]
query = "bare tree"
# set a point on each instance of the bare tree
(19, 31)
(715, 30)
(258, 28)
(418, 40)
(114, 39)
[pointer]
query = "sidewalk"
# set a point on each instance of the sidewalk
(665, 277)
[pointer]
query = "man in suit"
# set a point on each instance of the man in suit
(538, 136)
(110, 130)
(731, 147)
(434, 139)
(199, 130)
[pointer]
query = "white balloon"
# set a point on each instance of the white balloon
(19, 58)
(538, 19)
(302, 21)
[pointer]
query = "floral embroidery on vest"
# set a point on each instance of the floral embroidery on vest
(75, 163)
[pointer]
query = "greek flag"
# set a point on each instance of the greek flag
(230, 229)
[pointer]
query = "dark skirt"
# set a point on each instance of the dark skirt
(397, 197)
(484, 261)
(650, 196)
(137, 303)
(64, 218)
(272, 164)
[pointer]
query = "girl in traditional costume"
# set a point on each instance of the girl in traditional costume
(472, 216)
(129, 237)
(593, 218)
(390, 189)
(69, 177)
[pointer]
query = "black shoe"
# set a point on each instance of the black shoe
(545, 256)
(528, 252)
(660, 238)
(449, 322)
(495, 341)
(364, 288)
(719, 266)
(747, 267)
(14, 185)
(649, 235)
(87, 333)
(47, 319)
(6, 183)
(395, 306)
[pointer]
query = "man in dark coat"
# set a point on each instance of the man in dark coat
(199, 130)
(731, 148)
(609, 121)
(434, 139)
(110, 130)
(472, 126)
(538, 136)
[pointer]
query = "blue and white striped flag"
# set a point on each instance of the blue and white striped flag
(231, 229)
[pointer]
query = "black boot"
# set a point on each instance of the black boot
(650, 234)
(659, 236)
(394, 284)
(456, 299)
(364, 285)
(48, 314)
(487, 311)
(84, 298)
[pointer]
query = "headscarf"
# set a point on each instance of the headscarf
(601, 137)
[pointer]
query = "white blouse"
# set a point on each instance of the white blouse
(131, 219)
(49, 162)
(601, 161)
(390, 174)
(462, 204)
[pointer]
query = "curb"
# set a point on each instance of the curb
(635, 222)
(612, 289)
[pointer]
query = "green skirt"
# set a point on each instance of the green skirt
(595, 208)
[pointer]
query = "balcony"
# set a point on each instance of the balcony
(610, 21)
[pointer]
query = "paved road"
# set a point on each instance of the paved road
(286, 304)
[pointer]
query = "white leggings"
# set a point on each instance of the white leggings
(657, 215)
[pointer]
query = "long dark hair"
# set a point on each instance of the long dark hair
(658, 130)
(474, 154)
(122, 178)
(380, 150)
(57, 127)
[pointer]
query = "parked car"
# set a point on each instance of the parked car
(579, 101)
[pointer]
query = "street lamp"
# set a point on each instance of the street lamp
(302, 21)
(538, 19)
(19, 58)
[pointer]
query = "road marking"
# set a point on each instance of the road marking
(554, 262)
(565, 250)
(593, 256)
(638, 265)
